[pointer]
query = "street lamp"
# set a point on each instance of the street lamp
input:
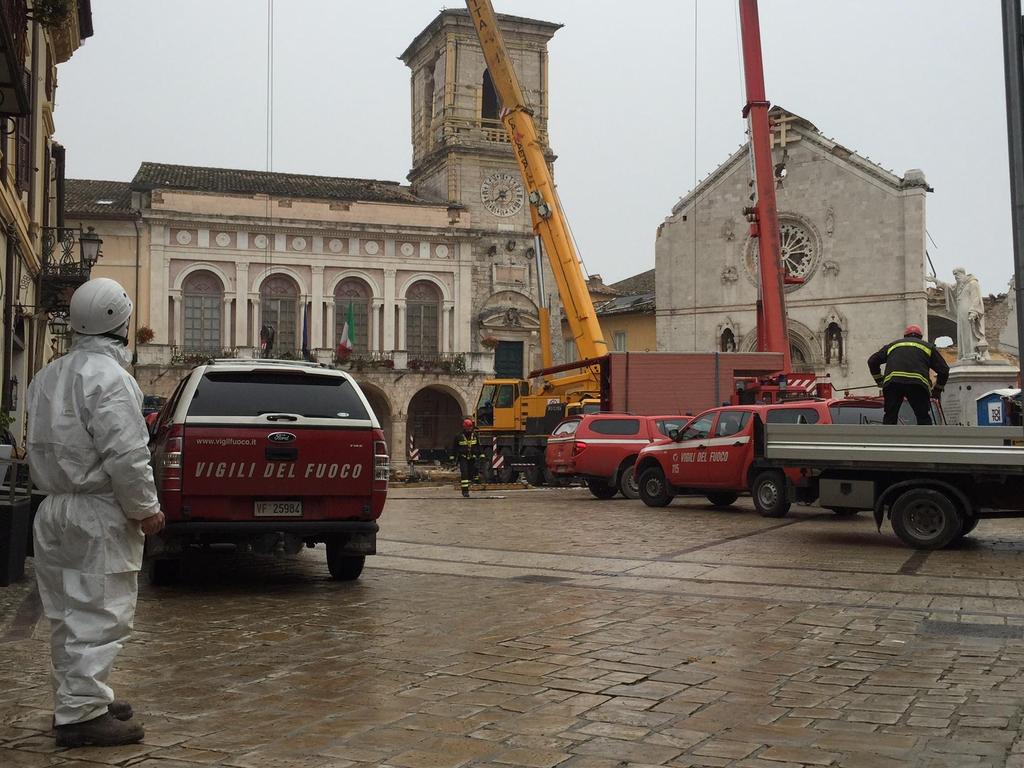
(90, 243)
(59, 324)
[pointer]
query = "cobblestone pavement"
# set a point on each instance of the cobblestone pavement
(545, 628)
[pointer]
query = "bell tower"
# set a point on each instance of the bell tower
(460, 150)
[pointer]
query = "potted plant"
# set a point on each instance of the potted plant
(50, 13)
(489, 342)
(144, 334)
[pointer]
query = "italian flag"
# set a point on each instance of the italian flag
(345, 343)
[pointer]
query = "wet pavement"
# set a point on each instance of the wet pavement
(545, 628)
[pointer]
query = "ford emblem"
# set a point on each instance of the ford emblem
(281, 437)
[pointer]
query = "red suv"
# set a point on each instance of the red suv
(271, 456)
(601, 449)
(714, 455)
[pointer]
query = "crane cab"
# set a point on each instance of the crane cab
(498, 408)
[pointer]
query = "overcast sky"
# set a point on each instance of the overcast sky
(910, 84)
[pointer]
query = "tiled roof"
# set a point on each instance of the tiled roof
(643, 302)
(90, 197)
(243, 182)
(642, 283)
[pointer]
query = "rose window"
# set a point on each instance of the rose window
(798, 248)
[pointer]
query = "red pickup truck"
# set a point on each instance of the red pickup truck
(272, 456)
(714, 455)
(601, 449)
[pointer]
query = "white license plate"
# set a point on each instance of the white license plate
(278, 509)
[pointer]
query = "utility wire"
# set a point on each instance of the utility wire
(696, 192)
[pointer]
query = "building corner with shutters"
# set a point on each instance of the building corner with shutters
(40, 258)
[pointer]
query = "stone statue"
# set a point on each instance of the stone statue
(964, 299)
(834, 342)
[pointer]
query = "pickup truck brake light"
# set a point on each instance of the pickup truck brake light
(381, 464)
(171, 461)
(578, 447)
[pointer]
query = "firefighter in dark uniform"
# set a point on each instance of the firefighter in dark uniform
(466, 450)
(907, 363)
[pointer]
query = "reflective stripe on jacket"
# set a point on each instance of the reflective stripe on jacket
(466, 446)
(908, 361)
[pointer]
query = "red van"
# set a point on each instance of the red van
(271, 456)
(601, 448)
(714, 456)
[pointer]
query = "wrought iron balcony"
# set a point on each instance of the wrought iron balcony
(14, 90)
(67, 261)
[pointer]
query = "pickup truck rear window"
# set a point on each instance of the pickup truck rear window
(792, 416)
(615, 426)
(254, 394)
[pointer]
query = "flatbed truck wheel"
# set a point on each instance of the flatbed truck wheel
(770, 496)
(924, 518)
(600, 489)
(722, 498)
(654, 488)
(535, 476)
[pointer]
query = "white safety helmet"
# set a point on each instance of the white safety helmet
(99, 306)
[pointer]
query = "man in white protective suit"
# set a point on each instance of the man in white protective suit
(87, 449)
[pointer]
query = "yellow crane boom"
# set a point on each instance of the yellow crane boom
(549, 221)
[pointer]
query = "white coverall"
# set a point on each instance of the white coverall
(87, 449)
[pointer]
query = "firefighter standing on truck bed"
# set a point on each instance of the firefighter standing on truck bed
(907, 363)
(466, 450)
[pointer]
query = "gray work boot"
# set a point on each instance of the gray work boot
(122, 710)
(103, 731)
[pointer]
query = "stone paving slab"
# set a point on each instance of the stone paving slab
(556, 630)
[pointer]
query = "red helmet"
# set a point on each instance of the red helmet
(467, 424)
(914, 330)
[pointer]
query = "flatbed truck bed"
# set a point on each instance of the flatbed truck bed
(933, 483)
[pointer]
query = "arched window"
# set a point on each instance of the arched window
(279, 311)
(422, 318)
(202, 297)
(490, 109)
(354, 293)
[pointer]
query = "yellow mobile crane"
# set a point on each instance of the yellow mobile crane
(516, 416)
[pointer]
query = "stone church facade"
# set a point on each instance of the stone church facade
(440, 275)
(853, 231)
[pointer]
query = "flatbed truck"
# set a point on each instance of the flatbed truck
(934, 483)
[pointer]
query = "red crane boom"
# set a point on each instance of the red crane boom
(772, 333)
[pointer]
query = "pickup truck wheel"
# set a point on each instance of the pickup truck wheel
(600, 489)
(924, 518)
(628, 485)
(722, 499)
(970, 523)
(769, 492)
(164, 571)
(343, 567)
(654, 489)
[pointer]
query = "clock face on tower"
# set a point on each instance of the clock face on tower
(502, 193)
